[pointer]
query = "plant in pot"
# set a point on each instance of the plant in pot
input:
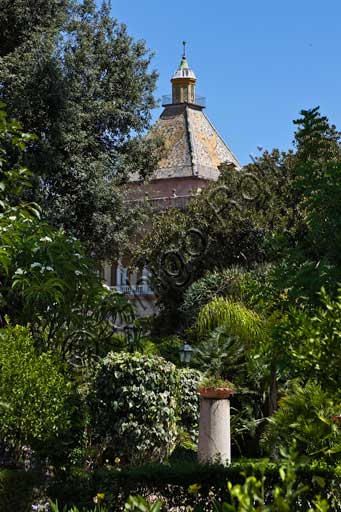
(214, 386)
(218, 356)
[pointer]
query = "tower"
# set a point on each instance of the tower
(194, 150)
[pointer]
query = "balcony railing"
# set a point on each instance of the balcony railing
(162, 203)
(199, 100)
(140, 289)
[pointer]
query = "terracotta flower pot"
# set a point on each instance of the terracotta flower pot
(216, 393)
(337, 418)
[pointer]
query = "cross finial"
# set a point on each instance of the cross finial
(184, 50)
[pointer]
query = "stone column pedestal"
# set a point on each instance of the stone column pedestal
(214, 427)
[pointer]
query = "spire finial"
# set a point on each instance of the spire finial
(184, 50)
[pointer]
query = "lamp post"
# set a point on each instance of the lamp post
(129, 333)
(186, 353)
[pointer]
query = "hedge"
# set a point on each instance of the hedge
(169, 481)
(172, 482)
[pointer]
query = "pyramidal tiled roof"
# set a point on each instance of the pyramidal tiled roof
(193, 147)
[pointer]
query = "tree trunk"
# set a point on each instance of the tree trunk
(273, 390)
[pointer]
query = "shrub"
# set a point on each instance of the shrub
(189, 402)
(285, 496)
(305, 416)
(133, 406)
(212, 285)
(33, 391)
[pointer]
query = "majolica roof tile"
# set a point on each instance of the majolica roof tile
(193, 147)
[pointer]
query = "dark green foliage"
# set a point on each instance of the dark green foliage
(311, 341)
(313, 259)
(305, 417)
(16, 490)
(168, 348)
(173, 482)
(212, 285)
(315, 138)
(21, 20)
(83, 86)
(133, 404)
(220, 354)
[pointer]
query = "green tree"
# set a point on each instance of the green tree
(46, 278)
(246, 347)
(318, 178)
(21, 21)
(311, 338)
(83, 86)
(308, 254)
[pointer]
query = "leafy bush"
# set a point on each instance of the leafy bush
(285, 496)
(305, 417)
(48, 281)
(212, 285)
(177, 485)
(133, 406)
(189, 402)
(312, 341)
(34, 392)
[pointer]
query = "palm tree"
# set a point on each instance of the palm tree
(220, 352)
(237, 321)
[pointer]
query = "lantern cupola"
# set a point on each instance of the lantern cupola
(183, 82)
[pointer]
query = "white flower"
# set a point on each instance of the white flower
(19, 272)
(12, 217)
(48, 269)
(35, 264)
(45, 239)
(78, 272)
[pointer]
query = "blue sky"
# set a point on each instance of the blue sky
(257, 63)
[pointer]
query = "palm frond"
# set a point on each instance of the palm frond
(239, 320)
